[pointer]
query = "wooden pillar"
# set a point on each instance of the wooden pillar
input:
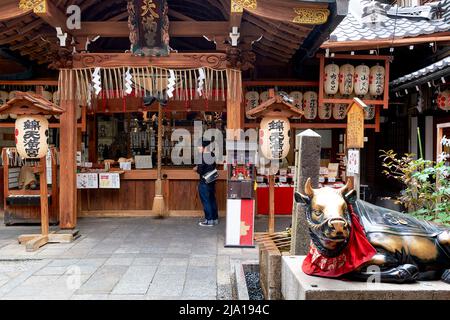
(44, 196)
(271, 203)
(235, 111)
(68, 148)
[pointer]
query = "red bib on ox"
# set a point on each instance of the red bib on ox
(357, 252)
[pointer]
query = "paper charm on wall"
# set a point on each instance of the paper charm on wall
(274, 136)
(331, 79)
(339, 109)
(443, 100)
(362, 75)
(310, 102)
(297, 98)
(377, 74)
(251, 101)
(31, 132)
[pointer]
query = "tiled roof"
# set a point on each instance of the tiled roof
(372, 20)
(440, 65)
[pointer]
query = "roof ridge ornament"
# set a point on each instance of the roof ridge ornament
(238, 6)
(374, 15)
(38, 6)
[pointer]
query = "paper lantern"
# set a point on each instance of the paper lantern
(264, 96)
(3, 99)
(251, 101)
(377, 74)
(443, 100)
(297, 98)
(274, 136)
(310, 102)
(369, 112)
(346, 75)
(325, 111)
(339, 109)
(362, 75)
(56, 101)
(331, 79)
(31, 136)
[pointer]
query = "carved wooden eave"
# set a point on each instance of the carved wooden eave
(216, 61)
(29, 103)
(275, 106)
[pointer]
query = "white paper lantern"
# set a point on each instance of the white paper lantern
(369, 112)
(443, 100)
(377, 75)
(264, 96)
(31, 134)
(4, 96)
(339, 109)
(362, 75)
(12, 95)
(47, 95)
(274, 138)
(56, 98)
(346, 76)
(310, 102)
(325, 111)
(331, 79)
(297, 98)
(251, 101)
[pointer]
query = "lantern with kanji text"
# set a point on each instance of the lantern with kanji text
(377, 78)
(362, 74)
(331, 79)
(346, 76)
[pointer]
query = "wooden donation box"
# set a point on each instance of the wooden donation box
(240, 194)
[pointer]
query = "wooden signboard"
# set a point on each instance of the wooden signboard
(355, 125)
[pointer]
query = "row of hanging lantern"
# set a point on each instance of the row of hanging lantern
(308, 102)
(360, 80)
(5, 96)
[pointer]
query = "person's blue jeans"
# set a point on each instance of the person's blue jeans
(208, 197)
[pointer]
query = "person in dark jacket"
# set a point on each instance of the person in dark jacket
(207, 191)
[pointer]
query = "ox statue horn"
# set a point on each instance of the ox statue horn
(348, 187)
(309, 191)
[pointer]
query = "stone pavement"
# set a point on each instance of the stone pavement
(125, 258)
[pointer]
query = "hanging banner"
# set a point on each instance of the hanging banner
(353, 162)
(149, 27)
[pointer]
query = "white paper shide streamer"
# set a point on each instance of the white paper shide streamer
(171, 84)
(128, 82)
(201, 81)
(97, 81)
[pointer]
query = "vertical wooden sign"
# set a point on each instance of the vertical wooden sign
(355, 125)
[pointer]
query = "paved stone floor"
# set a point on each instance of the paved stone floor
(125, 258)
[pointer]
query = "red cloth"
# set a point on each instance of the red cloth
(284, 197)
(357, 252)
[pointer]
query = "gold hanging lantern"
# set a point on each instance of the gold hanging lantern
(310, 102)
(346, 76)
(362, 74)
(331, 79)
(31, 132)
(377, 78)
(274, 136)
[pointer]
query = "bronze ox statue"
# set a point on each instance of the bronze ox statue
(407, 249)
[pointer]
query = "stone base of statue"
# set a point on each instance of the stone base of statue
(296, 285)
